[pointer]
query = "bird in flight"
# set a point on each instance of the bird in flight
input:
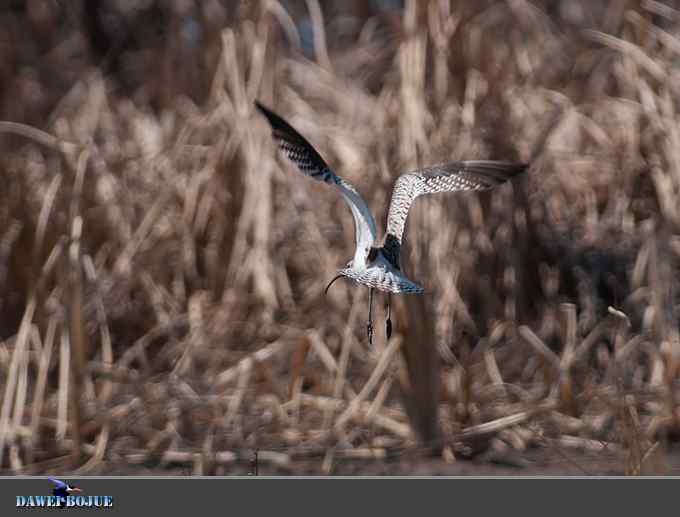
(378, 267)
(62, 489)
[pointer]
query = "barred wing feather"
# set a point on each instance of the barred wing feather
(449, 177)
(310, 163)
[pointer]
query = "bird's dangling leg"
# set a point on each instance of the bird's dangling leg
(369, 325)
(388, 319)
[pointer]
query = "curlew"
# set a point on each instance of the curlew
(377, 267)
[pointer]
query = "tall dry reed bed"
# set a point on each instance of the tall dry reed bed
(162, 271)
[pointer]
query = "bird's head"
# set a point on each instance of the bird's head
(340, 274)
(348, 271)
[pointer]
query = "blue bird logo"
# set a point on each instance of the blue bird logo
(62, 490)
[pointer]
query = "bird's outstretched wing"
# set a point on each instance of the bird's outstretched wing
(57, 483)
(449, 177)
(310, 163)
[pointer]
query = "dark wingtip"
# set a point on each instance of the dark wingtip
(265, 111)
(277, 122)
(511, 170)
(496, 171)
(521, 168)
(516, 168)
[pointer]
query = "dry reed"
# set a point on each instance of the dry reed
(162, 271)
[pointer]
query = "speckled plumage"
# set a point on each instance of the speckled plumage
(448, 177)
(378, 267)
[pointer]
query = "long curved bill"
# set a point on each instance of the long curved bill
(331, 283)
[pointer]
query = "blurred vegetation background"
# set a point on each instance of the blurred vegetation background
(162, 269)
